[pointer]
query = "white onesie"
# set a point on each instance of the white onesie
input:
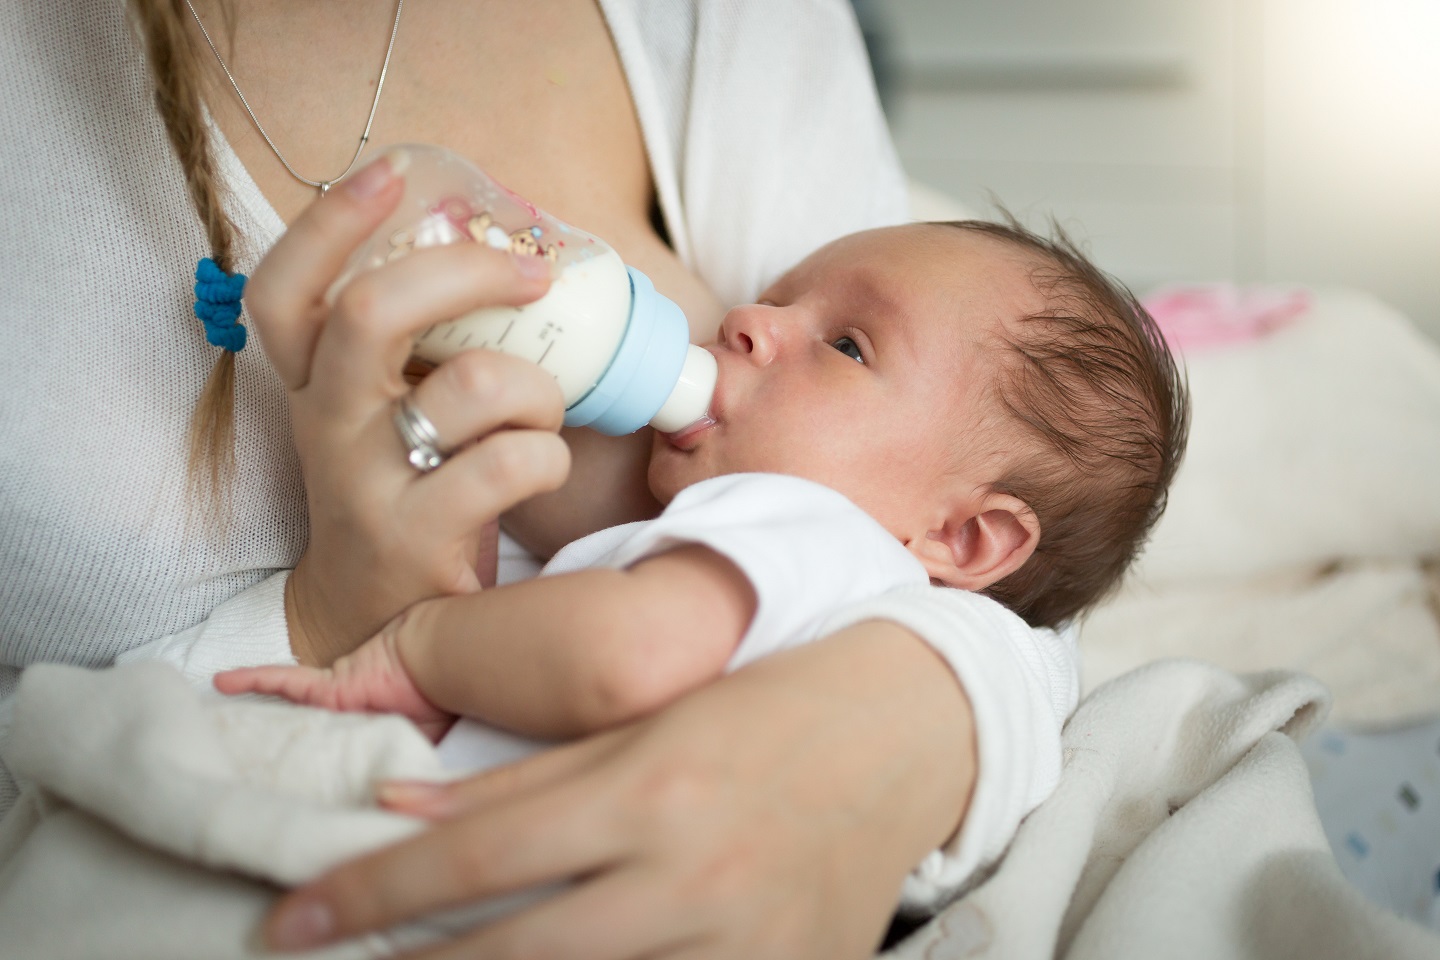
(806, 550)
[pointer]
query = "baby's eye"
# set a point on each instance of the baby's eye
(848, 347)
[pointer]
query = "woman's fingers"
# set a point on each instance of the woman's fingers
(621, 915)
(513, 781)
(479, 391)
(499, 415)
(512, 847)
(486, 479)
(286, 294)
(371, 327)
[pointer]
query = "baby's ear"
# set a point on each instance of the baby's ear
(980, 545)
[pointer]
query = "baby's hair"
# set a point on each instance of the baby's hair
(176, 74)
(1106, 410)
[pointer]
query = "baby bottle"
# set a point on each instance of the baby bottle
(620, 351)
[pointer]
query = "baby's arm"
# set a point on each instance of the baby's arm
(568, 654)
(551, 657)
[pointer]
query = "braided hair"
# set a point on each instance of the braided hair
(178, 79)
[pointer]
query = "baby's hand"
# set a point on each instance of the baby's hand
(372, 679)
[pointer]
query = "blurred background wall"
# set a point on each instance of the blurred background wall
(1246, 140)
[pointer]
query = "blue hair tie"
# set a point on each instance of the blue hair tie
(217, 303)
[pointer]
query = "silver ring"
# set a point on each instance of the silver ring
(418, 434)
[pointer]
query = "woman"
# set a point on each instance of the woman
(773, 814)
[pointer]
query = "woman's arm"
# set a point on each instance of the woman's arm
(736, 819)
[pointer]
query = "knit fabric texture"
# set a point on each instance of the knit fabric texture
(101, 545)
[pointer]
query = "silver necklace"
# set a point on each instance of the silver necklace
(322, 185)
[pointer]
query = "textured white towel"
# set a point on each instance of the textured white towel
(155, 813)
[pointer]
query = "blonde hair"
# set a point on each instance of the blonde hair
(176, 73)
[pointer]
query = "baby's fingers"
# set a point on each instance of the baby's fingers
(303, 685)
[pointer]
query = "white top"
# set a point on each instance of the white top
(765, 141)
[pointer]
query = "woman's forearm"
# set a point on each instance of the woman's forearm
(903, 760)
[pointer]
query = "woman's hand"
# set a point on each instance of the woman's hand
(383, 535)
(772, 814)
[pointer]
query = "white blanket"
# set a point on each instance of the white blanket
(158, 817)
(1183, 827)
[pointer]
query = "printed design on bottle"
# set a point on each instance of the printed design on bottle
(588, 280)
(454, 220)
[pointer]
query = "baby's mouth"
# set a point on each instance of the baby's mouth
(688, 437)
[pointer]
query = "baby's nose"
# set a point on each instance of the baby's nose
(750, 330)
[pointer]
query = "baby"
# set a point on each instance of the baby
(963, 404)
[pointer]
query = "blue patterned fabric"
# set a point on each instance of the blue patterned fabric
(1378, 796)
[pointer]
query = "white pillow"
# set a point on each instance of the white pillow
(1319, 441)
(1366, 630)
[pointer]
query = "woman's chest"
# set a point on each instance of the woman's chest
(533, 93)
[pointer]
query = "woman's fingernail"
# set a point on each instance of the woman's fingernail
(531, 268)
(307, 923)
(413, 795)
(372, 179)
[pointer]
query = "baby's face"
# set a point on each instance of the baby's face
(868, 368)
